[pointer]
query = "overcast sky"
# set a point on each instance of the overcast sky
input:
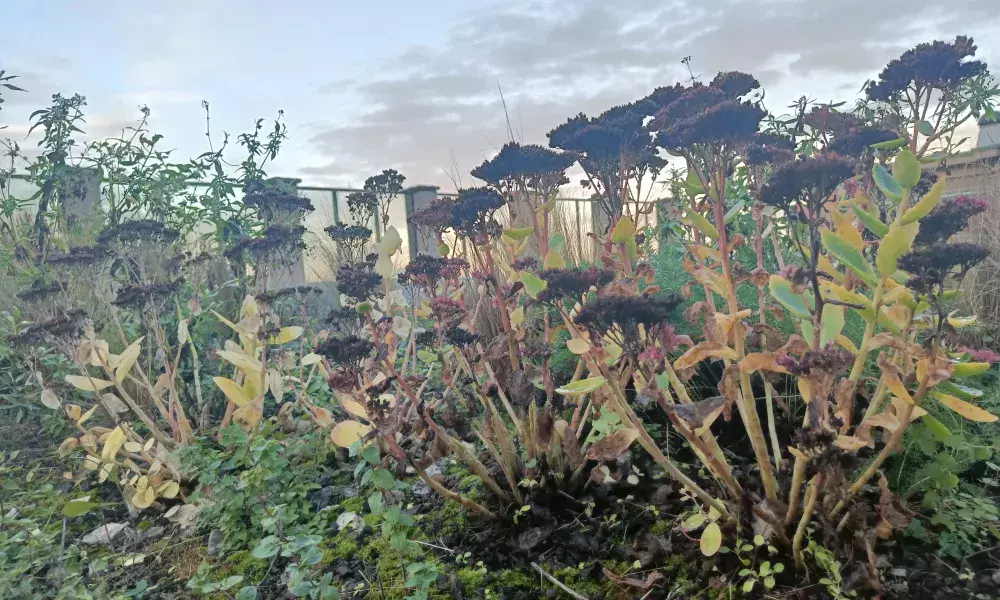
(414, 85)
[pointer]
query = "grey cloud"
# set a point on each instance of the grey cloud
(431, 106)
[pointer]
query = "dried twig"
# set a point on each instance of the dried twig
(558, 583)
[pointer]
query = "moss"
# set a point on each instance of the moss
(241, 563)
(356, 504)
(662, 527)
(339, 547)
(578, 579)
(471, 578)
(514, 579)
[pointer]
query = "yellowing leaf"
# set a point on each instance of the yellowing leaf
(113, 444)
(757, 361)
(86, 416)
(969, 411)
(553, 260)
(355, 408)
(781, 290)
(704, 351)
(244, 362)
(849, 256)
(144, 498)
(183, 335)
(583, 386)
(232, 390)
(346, 433)
(896, 386)
(50, 400)
(970, 368)
(906, 168)
(168, 489)
(87, 384)
(517, 316)
(311, 359)
(702, 224)
(127, 359)
(532, 284)
(896, 243)
(287, 334)
(960, 322)
(926, 204)
(578, 345)
(518, 234)
(624, 231)
(849, 443)
(711, 539)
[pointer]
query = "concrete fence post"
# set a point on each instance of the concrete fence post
(422, 239)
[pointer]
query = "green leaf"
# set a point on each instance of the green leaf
(692, 185)
(248, 592)
(519, 233)
(926, 204)
(781, 290)
(711, 539)
(558, 242)
(267, 547)
(532, 284)
(937, 428)
(832, 323)
(906, 168)
(733, 212)
(582, 386)
(891, 144)
(871, 221)
(849, 256)
(703, 224)
(370, 455)
(960, 390)
(383, 478)
(925, 128)
(624, 231)
(971, 368)
(76, 508)
(886, 183)
(896, 243)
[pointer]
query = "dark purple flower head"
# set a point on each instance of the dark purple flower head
(346, 351)
(810, 178)
(449, 313)
(735, 84)
(41, 291)
(947, 219)
(931, 265)
(426, 271)
(349, 234)
(359, 281)
(81, 257)
(134, 232)
(857, 141)
(472, 215)
(462, 338)
(704, 115)
(941, 65)
(825, 119)
(573, 283)
(272, 203)
(437, 216)
(153, 295)
(279, 244)
(537, 164)
(64, 328)
(768, 148)
(628, 311)
(830, 361)
(981, 355)
(300, 292)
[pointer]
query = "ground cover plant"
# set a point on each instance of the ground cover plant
(773, 393)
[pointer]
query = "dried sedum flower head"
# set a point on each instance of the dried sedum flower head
(941, 65)
(65, 328)
(609, 310)
(573, 283)
(947, 219)
(538, 165)
(812, 179)
(359, 281)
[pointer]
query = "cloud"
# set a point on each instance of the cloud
(434, 113)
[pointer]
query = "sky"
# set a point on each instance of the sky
(428, 88)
